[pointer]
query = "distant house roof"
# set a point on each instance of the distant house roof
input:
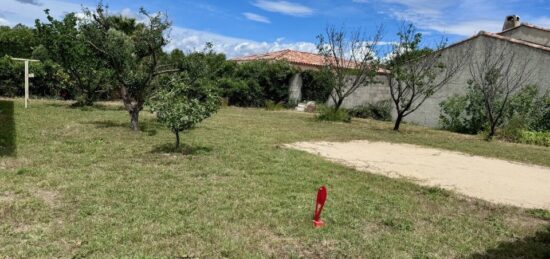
(299, 58)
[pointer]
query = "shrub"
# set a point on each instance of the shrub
(273, 106)
(48, 81)
(380, 110)
(513, 131)
(239, 92)
(541, 114)
(463, 114)
(325, 113)
(535, 138)
(253, 83)
(317, 85)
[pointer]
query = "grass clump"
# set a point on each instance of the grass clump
(273, 106)
(377, 111)
(325, 113)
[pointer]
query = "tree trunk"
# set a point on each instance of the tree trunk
(133, 107)
(492, 131)
(338, 104)
(177, 138)
(134, 118)
(398, 121)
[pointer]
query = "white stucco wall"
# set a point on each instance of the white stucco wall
(428, 113)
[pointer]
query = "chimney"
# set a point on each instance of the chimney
(511, 21)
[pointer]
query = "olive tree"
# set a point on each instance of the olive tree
(132, 49)
(180, 105)
(498, 73)
(351, 56)
(417, 73)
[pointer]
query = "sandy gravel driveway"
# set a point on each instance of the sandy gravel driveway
(490, 179)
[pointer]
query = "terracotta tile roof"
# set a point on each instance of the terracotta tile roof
(294, 57)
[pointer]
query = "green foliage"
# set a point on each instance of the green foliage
(62, 42)
(463, 114)
(11, 77)
(253, 83)
(181, 106)
(325, 113)
(317, 85)
(541, 114)
(380, 110)
(49, 78)
(241, 92)
(525, 118)
(536, 138)
(17, 41)
(513, 129)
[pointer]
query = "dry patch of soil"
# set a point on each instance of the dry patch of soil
(494, 180)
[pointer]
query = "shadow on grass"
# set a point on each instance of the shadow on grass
(537, 246)
(145, 127)
(94, 107)
(7, 129)
(184, 149)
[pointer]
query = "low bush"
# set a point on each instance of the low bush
(379, 111)
(535, 138)
(273, 106)
(541, 114)
(513, 131)
(325, 113)
(463, 114)
(317, 85)
(251, 84)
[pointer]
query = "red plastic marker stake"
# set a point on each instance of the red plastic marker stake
(321, 198)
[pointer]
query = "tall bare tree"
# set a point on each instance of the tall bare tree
(498, 72)
(351, 56)
(416, 73)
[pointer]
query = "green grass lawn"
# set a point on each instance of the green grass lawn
(77, 182)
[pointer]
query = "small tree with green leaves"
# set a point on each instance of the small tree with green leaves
(180, 106)
(417, 73)
(132, 50)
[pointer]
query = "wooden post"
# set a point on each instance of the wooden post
(26, 77)
(26, 82)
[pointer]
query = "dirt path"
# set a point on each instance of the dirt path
(490, 179)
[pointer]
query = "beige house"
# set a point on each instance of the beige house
(528, 42)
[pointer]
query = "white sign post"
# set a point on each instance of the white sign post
(26, 77)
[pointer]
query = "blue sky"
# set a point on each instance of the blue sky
(242, 27)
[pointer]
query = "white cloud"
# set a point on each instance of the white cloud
(284, 7)
(17, 11)
(4, 22)
(256, 17)
(458, 17)
(191, 40)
